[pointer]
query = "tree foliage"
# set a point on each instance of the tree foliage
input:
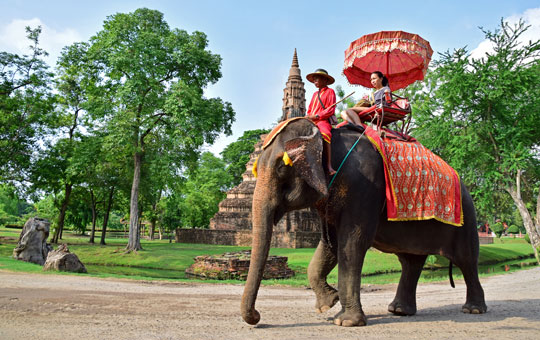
(26, 107)
(203, 191)
(148, 81)
(12, 207)
(127, 118)
(483, 116)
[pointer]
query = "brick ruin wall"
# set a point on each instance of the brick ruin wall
(298, 239)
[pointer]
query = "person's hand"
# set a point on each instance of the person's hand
(313, 118)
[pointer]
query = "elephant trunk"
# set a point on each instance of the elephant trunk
(263, 219)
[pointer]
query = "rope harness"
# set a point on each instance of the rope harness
(344, 159)
(347, 156)
(332, 181)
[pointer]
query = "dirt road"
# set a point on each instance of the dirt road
(34, 306)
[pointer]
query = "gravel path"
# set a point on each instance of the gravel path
(35, 306)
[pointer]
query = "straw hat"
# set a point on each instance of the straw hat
(322, 73)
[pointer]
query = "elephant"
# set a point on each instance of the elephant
(291, 176)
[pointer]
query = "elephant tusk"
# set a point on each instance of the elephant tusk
(286, 159)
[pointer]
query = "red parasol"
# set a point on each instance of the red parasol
(402, 57)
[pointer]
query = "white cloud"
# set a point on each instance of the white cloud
(13, 38)
(530, 16)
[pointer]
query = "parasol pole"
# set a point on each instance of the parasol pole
(387, 64)
(342, 99)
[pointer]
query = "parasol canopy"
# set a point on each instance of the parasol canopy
(402, 57)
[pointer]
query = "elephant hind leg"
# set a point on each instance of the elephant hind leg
(475, 303)
(322, 263)
(405, 300)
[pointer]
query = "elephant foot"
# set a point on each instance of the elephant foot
(474, 308)
(252, 317)
(399, 308)
(350, 319)
(326, 300)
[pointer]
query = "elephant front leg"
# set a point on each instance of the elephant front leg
(322, 263)
(405, 301)
(350, 261)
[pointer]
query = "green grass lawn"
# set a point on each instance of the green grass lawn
(160, 259)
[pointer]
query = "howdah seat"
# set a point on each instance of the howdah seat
(391, 109)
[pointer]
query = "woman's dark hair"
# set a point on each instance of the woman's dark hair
(381, 75)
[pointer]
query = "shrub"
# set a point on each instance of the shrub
(497, 228)
(513, 229)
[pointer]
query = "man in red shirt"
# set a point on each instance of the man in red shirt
(321, 109)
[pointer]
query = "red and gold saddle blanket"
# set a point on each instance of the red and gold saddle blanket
(419, 184)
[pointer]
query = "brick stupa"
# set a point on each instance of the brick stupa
(231, 225)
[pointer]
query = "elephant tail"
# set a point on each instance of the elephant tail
(450, 275)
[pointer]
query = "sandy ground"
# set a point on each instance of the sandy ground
(34, 306)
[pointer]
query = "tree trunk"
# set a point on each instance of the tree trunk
(67, 189)
(94, 216)
(537, 218)
(142, 226)
(152, 228)
(63, 208)
(106, 216)
(134, 241)
(534, 236)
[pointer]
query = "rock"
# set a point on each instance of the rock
(32, 245)
(62, 260)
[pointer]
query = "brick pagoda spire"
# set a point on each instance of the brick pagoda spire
(294, 94)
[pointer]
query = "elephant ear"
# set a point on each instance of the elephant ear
(306, 155)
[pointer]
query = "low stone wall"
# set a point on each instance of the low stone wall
(485, 239)
(212, 236)
(299, 239)
(236, 266)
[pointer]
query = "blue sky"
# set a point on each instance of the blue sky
(257, 39)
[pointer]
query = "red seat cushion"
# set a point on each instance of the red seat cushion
(402, 104)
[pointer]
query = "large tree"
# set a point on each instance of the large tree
(483, 116)
(151, 80)
(26, 108)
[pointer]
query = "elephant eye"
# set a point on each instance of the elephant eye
(281, 168)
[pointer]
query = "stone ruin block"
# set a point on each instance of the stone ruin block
(235, 266)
